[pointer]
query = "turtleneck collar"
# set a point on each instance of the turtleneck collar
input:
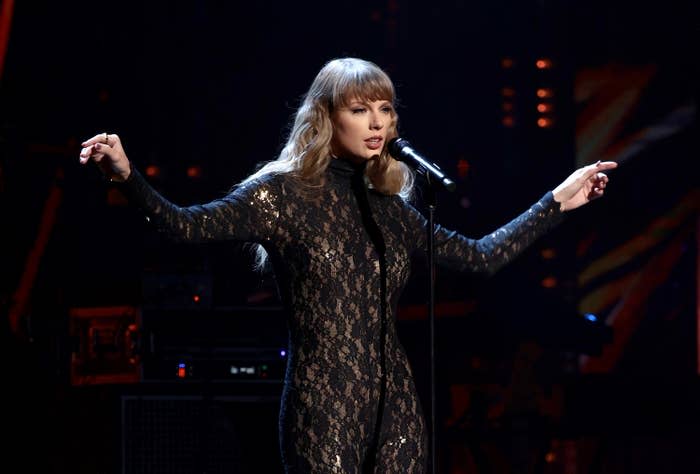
(344, 168)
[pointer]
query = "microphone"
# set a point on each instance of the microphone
(401, 150)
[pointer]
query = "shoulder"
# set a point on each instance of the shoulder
(276, 183)
(405, 206)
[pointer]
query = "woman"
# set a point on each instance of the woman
(332, 217)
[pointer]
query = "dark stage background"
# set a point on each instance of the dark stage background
(125, 352)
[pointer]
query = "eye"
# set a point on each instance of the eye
(387, 109)
(357, 110)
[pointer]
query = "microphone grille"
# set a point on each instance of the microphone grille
(395, 145)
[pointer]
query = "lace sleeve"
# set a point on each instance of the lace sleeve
(494, 250)
(249, 213)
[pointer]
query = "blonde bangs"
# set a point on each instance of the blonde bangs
(360, 81)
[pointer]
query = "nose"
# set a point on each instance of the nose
(376, 121)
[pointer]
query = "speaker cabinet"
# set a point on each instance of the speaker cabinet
(183, 434)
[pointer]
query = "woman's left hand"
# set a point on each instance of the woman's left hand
(583, 185)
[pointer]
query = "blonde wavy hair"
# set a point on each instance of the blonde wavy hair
(307, 152)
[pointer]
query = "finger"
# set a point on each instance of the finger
(99, 138)
(89, 151)
(104, 149)
(97, 157)
(599, 177)
(592, 169)
(606, 165)
(91, 141)
(595, 193)
(86, 153)
(95, 153)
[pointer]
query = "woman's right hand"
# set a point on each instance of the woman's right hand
(107, 152)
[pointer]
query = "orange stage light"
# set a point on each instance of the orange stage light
(543, 107)
(548, 253)
(544, 122)
(543, 63)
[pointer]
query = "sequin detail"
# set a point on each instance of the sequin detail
(329, 270)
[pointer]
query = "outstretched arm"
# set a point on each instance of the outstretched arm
(496, 249)
(249, 213)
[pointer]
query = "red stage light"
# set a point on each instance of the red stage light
(152, 171)
(181, 371)
(194, 172)
(462, 167)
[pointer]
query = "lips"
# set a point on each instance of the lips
(374, 143)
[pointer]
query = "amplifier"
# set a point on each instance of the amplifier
(220, 345)
(216, 365)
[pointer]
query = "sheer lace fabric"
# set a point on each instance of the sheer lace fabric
(349, 403)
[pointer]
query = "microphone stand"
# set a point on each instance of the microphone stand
(431, 203)
(402, 150)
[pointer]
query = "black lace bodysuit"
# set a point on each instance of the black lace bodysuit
(349, 404)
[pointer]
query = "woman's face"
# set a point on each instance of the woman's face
(360, 129)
